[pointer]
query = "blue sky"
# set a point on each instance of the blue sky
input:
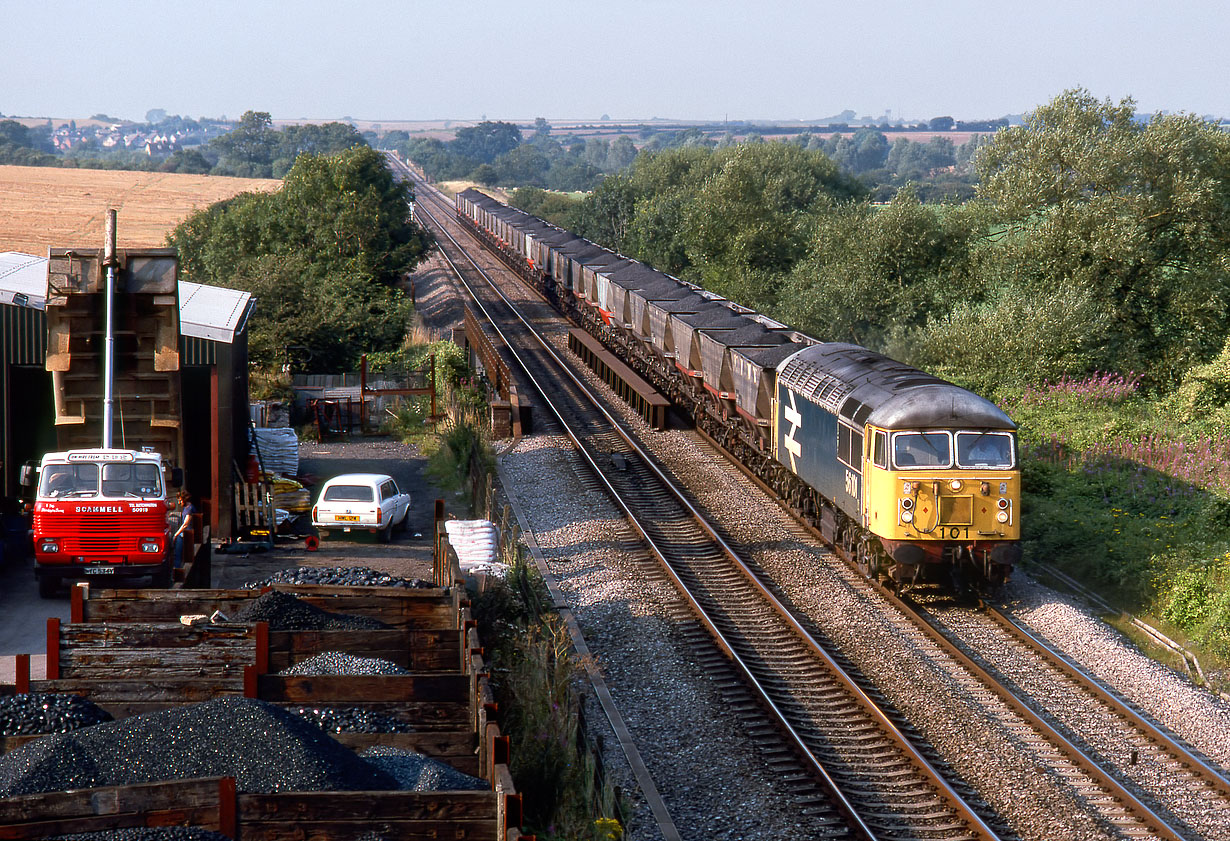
(631, 59)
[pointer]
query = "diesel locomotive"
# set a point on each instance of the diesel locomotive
(912, 477)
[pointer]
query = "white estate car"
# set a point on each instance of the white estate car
(369, 502)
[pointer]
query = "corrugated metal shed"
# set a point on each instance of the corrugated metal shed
(23, 274)
(211, 312)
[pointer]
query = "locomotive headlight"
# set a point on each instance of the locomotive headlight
(907, 504)
(907, 517)
(1003, 504)
(1002, 516)
(955, 484)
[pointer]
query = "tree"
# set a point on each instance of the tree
(1136, 212)
(941, 123)
(325, 257)
(623, 152)
(186, 160)
(154, 116)
(486, 141)
(248, 149)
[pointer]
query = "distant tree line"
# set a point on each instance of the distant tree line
(496, 154)
(252, 148)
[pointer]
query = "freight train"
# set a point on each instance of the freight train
(911, 477)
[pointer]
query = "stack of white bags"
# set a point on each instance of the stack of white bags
(477, 544)
(279, 449)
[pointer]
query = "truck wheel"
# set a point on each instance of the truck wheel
(47, 586)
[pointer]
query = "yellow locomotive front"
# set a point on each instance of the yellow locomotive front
(944, 499)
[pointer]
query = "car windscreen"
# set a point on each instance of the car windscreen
(989, 450)
(349, 493)
(913, 450)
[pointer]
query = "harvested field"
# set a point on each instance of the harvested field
(49, 207)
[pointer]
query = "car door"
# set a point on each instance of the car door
(391, 502)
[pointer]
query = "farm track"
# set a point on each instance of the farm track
(835, 725)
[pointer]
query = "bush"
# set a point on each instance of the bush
(534, 677)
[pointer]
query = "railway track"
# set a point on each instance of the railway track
(1130, 804)
(881, 784)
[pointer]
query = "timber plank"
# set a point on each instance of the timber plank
(311, 806)
(194, 802)
(361, 689)
(455, 830)
(160, 690)
(416, 650)
(416, 608)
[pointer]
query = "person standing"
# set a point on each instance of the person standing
(185, 523)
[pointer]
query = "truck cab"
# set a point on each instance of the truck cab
(101, 513)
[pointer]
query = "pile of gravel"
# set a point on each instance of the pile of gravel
(264, 747)
(152, 833)
(338, 577)
(352, 720)
(339, 663)
(284, 612)
(416, 772)
(42, 712)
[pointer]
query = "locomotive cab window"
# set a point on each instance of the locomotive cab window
(850, 447)
(913, 450)
(879, 449)
(991, 450)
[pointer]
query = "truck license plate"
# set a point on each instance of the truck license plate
(346, 518)
(107, 570)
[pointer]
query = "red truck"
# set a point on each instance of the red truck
(101, 513)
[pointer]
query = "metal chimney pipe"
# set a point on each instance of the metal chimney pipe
(111, 264)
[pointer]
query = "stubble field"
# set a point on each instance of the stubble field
(49, 207)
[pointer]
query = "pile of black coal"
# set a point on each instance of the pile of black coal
(284, 612)
(416, 772)
(352, 720)
(150, 833)
(264, 747)
(338, 577)
(43, 712)
(339, 663)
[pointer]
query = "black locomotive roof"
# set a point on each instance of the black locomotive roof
(867, 387)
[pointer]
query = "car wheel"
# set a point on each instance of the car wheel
(47, 586)
(385, 534)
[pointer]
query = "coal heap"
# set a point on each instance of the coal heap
(43, 712)
(416, 772)
(284, 612)
(338, 577)
(352, 720)
(339, 663)
(152, 833)
(264, 747)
